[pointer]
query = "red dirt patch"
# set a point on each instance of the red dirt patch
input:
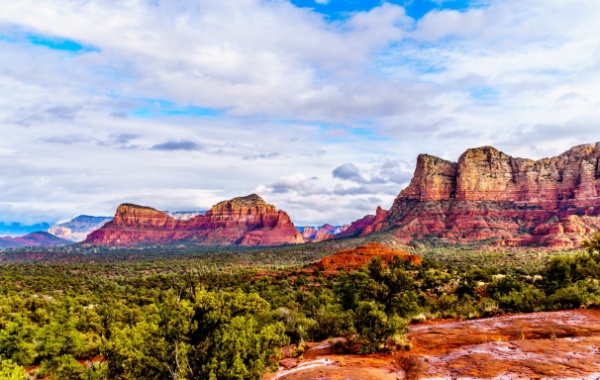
(353, 259)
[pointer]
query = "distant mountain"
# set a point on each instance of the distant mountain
(325, 232)
(79, 228)
(35, 239)
(240, 221)
(19, 229)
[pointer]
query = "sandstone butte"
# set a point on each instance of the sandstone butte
(489, 196)
(353, 259)
(247, 221)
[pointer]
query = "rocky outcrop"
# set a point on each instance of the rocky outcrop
(353, 259)
(366, 225)
(79, 228)
(35, 239)
(486, 174)
(434, 179)
(490, 196)
(357, 227)
(242, 221)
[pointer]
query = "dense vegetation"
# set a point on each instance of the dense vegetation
(212, 315)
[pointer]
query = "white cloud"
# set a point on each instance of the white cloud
(298, 95)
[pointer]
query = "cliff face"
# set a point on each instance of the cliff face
(243, 221)
(486, 174)
(512, 201)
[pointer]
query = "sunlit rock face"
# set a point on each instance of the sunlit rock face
(241, 221)
(490, 196)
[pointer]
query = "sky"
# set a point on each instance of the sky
(319, 106)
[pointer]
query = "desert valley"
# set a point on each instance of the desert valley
(299, 190)
(432, 288)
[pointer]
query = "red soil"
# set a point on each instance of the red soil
(353, 259)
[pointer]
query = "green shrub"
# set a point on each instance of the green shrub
(584, 293)
(11, 371)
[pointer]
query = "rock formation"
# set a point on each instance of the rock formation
(353, 259)
(244, 221)
(490, 196)
(78, 228)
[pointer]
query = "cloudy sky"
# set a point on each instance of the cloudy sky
(320, 106)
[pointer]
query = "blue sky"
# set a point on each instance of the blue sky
(342, 9)
(181, 104)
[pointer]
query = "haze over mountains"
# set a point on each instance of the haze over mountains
(77, 229)
(34, 239)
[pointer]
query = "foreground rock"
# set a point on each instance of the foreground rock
(554, 345)
(245, 221)
(534, 346)
(489, 196)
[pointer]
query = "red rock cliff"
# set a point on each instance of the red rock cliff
(489, 195)
(243, 221)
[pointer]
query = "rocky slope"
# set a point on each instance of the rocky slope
(78, 228)
(244, 221)
(35, 239)
(353, 259)
(490, 196)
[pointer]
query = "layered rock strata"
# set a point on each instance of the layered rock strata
(245, 221)
(490, 196)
